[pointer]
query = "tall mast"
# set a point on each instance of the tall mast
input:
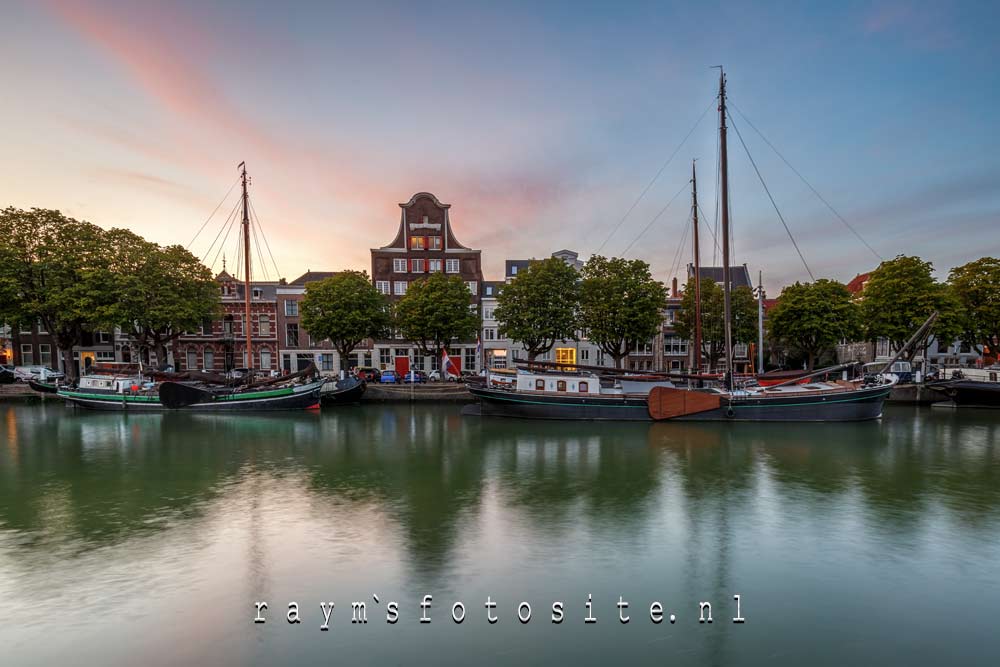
(247, 327)
(724, 205)
(696, 355)
(760, 322)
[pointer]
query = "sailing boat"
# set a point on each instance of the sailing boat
(132, 391)
(840, 400)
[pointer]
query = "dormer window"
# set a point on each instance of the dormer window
(258, 293)
(225, 289)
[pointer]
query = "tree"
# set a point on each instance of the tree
(58, 268)
(976, 289)
(743, 310)
(539, 306)
(900, 294)
(813, 317)
(162, 291)
(434, 311)
(347, 309)
(621, 306)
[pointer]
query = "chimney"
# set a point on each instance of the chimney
(673, 286)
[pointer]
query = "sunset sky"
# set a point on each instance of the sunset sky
(540, 123)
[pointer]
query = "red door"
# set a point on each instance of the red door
(402, 367)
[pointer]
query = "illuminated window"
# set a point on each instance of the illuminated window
(418, 243)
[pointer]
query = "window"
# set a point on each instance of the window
(27, 355)
(417, 265)
(382, 286)
(675, 345)
(489, 290)
(539, 384)
(41, 326)
(489, 333)
(292, 334)
(513, 270)
(400, 287)
(104, 355)
(942, 347)
(418, 243)
(434, 265)
(265, 328)
(451, 266)
(399, 265)
(45, 354)
(584, 355)
(102, 338)
(291, 308)
(206, 327)
(326, 362)
(227, 325)
(675, 365)
(434, 242)
(740, 351)
(265, 359)
(258, 293)
(385, 357)
(473, 286)
(488, 312)
(192, 359)
(209, 361)
(561, 385)
(566, 355)
(470, 358)
(584, 388)
(645, 348)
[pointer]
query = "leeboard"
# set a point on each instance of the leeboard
(669, 402)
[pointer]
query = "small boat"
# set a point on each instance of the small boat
(343, 392)
(43, 387)
(971, 387)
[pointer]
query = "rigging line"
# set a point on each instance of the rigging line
(808, 184)
(277, 273)
(718, 175)
(225, 224)
(780, 217)
(222, 245)
(675, 265)
(223, 201)
(657, 176)
(715, 241)
(655, 218)
(260, 255)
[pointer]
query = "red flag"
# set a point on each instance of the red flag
(447, 366)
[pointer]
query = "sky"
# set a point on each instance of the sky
(541, 123)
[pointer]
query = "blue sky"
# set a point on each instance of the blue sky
(539, 122)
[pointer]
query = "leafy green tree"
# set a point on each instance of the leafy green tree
(900, 294)
(621, 306)
(813, 317)
(347, 309)
(162, 291)
(976, 289)
(434, 311)
(58, 269)
(539, 306)
(743, 309)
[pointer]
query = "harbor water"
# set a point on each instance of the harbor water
(151, 539)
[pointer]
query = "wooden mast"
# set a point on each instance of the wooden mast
(724, 205)
(247, 326)
(696, 353)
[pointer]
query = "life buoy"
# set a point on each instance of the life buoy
(730, 413)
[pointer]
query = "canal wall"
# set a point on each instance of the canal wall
(914, 394)
(22, 393)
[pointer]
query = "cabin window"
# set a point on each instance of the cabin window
(584, 388)
(561, 385)
(540, 385)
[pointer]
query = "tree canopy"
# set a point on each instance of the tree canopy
(743, 308)
(976, 289)
(813, 317)
(900, 294)
(434, 311)
(621, 306)
(346, 309)
(539, 306)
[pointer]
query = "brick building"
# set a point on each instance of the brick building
(220, 345)
(425, 243)
(297, 346)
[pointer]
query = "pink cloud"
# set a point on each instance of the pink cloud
(919, 26)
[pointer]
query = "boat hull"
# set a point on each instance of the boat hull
(345, 392)
(857, 405)
(970, 393)
(291, 398)
(43, 387)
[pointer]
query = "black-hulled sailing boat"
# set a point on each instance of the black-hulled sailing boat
(840, 400)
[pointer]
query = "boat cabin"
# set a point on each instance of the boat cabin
(527, 381)
(118, 385)
(901, 369)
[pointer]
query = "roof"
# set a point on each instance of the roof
(313, 276)
(739, 275)
(491, 288)
(521, 265)
(858, 283)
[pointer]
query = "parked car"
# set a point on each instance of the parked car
(388, 377)
(415, 377)
(368, 374)
(435, 376)
(25, 373)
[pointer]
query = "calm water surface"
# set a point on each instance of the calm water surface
(148, 539)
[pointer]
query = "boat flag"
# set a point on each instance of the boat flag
(447, 366)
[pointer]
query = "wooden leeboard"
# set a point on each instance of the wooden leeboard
(667, 402)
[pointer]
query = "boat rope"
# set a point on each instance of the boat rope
(656, 177)
(808, 184)
(718, 176)
(773, 203)
(655, 218)
(267, 245)
(226, 226)
(675, 265)
(260, 255)
(214, 211)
